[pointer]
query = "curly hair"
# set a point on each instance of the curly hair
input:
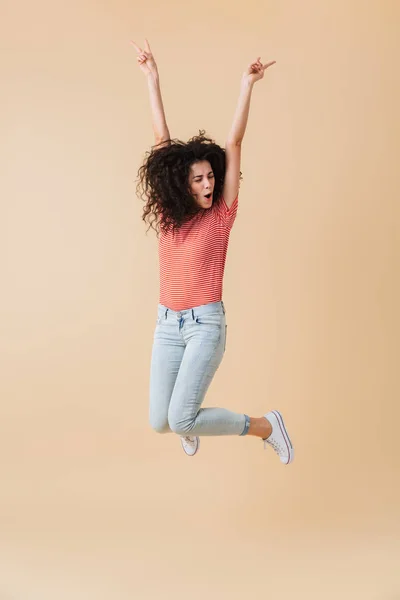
(163, 180)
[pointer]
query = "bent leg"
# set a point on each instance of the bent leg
(201, 359)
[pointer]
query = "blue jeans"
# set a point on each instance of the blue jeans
(188, 348)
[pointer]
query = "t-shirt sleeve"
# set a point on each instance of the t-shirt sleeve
(228, 215)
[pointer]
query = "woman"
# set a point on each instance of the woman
(191, 193)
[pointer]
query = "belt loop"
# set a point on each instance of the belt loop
(223, 307)
(166, 312)
(192, 314)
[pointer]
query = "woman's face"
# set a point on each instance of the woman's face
(201, 182)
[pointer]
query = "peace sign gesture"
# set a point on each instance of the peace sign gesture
(255, 70)
(145, 58)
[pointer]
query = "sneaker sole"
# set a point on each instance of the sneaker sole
(285, 434)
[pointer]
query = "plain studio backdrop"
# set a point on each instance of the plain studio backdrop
(93, 504)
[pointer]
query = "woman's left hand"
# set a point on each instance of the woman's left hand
(255, 70)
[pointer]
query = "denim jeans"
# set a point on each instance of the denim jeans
(188, 348)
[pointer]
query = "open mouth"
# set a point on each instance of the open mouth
(208, 196)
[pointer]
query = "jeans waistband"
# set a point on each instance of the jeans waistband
(196, 311)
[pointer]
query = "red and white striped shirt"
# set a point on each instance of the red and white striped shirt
(192, 259)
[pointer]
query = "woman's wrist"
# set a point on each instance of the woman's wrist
(153, 75)
(246, 83)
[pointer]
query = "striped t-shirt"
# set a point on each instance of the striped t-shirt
(192, 259)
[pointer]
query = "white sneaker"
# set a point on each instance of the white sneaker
(279, 439)
(190, 444)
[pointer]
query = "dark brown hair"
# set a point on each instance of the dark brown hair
(163, 180)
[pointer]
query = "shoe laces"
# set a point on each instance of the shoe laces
(189, 440)
(274, 445)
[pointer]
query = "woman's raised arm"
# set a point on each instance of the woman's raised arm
(254, 72)
(148, 66)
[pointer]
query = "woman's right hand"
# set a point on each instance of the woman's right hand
(145, 59)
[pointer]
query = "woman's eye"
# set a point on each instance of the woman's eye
(200, 178)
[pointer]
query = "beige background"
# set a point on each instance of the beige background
(93, 504)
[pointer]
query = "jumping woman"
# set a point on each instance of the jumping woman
(190, 191)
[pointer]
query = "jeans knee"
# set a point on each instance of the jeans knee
(159, 425)
(180, 425)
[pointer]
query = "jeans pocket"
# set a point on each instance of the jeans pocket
(213, 320)
(208, 329)
(160, 323)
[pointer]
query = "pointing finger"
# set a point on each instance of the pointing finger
(138, 50)
(269, 64)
